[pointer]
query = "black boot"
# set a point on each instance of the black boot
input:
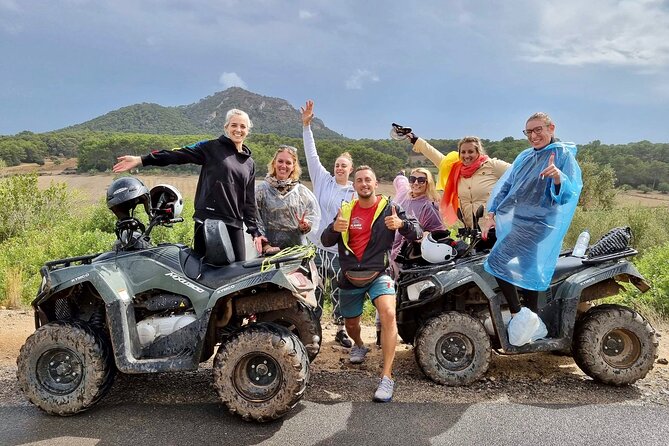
(342, 338)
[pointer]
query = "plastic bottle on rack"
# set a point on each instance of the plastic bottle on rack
(581, 244)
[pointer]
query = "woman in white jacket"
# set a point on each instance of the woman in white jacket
(330, 190)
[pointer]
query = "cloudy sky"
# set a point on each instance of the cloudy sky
(446, 68)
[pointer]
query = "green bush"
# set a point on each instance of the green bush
(25, 206)
(649, 225)
(37, 246)
(655, 302)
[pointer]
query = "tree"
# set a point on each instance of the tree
(598, 186)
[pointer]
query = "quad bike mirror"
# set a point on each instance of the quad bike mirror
(461, 216)
(399, 133)
(477, 215)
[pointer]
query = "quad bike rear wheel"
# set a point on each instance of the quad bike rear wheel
(614, 344)
(261, 372)
(453, 349)
(302, 322)
(65, 367)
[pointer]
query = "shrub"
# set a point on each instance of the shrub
(649, 225)
(37, 246)
(653, 266)
(25, 206)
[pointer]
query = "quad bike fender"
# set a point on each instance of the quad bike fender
(596, 282)
(299, 286)
(446, 281)
(109, 285)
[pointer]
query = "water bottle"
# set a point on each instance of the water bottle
(581, 244)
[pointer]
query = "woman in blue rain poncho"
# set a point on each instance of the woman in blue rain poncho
(531, 208)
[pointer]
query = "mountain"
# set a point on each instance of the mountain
(269, 115)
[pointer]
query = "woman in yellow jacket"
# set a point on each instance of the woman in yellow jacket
(466, 176)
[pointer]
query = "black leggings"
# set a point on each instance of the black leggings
(236, 237)
(510, 292)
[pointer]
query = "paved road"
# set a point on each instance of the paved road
(343, 424)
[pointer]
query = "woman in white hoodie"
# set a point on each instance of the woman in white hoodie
(330, 190)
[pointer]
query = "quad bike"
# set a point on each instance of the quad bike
(147, 309)
(453, 312)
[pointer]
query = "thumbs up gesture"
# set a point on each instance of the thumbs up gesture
(393, 222)
(340, 223)
(303, 224)
(551, 171)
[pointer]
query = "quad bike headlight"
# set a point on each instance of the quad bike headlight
(418, 289)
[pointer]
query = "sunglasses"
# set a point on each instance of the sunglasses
(421, 180)
(283, 147)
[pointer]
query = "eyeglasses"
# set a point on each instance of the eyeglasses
(421, 180)
(538, 130)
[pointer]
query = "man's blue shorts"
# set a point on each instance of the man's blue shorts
(351, 300)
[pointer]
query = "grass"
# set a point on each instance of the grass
(14, 288)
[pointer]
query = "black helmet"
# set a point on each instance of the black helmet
(124, 194)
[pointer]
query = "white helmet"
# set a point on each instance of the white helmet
(438, 247)
(167, 199)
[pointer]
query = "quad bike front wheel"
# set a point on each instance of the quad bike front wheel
(614, 344)
(65, 368)
(453, 349)
(302, 322)
(261, 372)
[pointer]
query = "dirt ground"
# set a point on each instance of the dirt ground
(540, 378)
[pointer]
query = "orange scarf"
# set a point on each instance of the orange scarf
(449, 201)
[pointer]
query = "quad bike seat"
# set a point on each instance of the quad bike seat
(566, 266)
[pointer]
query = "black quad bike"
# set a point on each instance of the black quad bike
(454, 313)
(146, 309)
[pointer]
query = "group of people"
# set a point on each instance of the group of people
(357, 232)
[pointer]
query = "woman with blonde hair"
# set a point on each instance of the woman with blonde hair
(226, 185)
(466, 176)
(287, 209)
(418, 196)
(331, 189)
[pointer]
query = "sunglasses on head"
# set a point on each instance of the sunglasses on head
(421, 180)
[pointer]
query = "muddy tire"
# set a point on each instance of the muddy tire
(261, 372)
(65, 367)
(615, 345)
(453, 349)
(302, 322)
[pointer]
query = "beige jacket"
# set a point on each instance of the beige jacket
(474, 191)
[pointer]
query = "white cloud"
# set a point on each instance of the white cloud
(305, 15)
(231, 80)
(357, 79)
(624, 33)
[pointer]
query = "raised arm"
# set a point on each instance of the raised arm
(317, 173)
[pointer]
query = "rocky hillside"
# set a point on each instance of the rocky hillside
(269, 115)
